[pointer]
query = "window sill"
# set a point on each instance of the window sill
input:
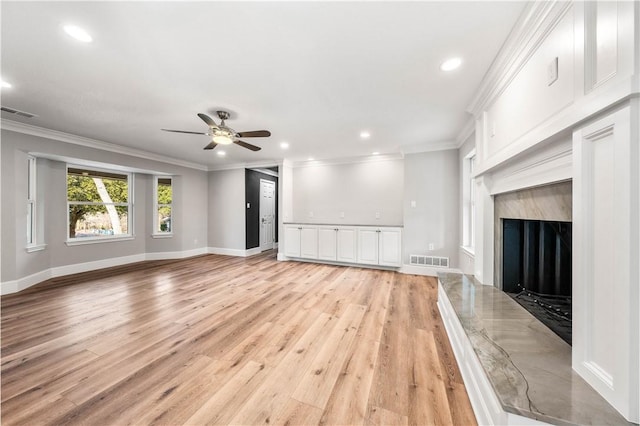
(167, 235)
(469, 251)
(36, 247)
(83, 241)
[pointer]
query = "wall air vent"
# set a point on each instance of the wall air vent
(433, 261)
(17, 112)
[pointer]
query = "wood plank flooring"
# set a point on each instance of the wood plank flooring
(224, 340)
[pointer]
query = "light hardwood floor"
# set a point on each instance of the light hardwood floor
(223, 340)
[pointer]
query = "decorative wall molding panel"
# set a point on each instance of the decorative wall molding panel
(606, 238)
(592, 47)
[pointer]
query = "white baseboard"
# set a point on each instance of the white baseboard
(425, 270)
(15, 286)
(176, 254)
(282, 257)
(233, 252)
(77, 268)
(252, 251)
(20, 284)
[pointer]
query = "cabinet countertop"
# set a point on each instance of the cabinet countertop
(342, 224)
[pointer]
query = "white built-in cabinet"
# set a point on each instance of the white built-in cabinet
(292, 240)
(368, 246)
(337, 244)
(301, 241)
(346, 244)
(309, 242)
(389, 247)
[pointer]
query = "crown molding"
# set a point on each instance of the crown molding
(250, 165)
(42, 132)
(533, 26)
(266, 172)
(348, 160)
(429, 147)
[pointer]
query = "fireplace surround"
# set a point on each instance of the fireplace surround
(551, 202)
(530, 216)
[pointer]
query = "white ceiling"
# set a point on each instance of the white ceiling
(313, 73)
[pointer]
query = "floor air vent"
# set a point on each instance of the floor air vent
(423, 260)
(17, 112)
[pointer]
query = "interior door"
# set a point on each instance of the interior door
(267, 213)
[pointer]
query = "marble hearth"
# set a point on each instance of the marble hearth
(526, 365)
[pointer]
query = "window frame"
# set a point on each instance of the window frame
(469, 202)
(32, 212)
(130, 235)
(156, 233)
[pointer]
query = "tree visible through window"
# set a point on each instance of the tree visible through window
(99, 203)
(163, 201)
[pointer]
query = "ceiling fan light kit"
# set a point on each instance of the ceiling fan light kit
(223, 135)
(222, 139)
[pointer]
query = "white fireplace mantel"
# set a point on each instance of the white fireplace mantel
(532, 131)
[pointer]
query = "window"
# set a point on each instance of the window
(162, 199)
(468, 192)
(472, 201)
(99, 204)
(32, 239)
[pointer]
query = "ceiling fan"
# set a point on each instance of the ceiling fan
(224, 135)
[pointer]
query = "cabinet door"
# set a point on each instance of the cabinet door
(292, 241)
(309, 242)
(368, 246)
(390, 247)
(327, 243)
(346, 245)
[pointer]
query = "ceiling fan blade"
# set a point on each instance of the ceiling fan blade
(211, 145)
(208, 120)
(184, 131)
(247, 145)
(255, 134)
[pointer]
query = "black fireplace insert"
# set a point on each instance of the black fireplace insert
(536, 270)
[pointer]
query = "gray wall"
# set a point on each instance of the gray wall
(431, 180)
(357, 189)
(209, 207)
(190, 222)
(226, 209)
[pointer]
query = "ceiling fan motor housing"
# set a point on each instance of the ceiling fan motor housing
(223, 115)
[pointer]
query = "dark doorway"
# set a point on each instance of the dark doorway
(536, 270)
(252, 202)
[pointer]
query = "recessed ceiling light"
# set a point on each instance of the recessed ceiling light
(284, 145)
(310, 159)
(451, 64)
(365, 135)
(221, 153)
(375, 153)
(5, 85)
(78, 33)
